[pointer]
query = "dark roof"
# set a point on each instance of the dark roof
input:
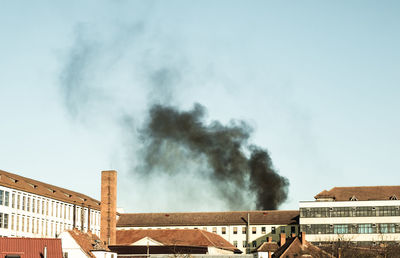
(31, 247)
(36, 187)
(181, 237)
(163, 249)
(275, 217)
(361, 193)
(87, 241)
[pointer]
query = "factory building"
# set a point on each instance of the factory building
(363, 215)
(30, 208)
(245, 230)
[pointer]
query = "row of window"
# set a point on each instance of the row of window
(368, 211)
(244, 243)
(44, 207)
(253, 230)
(383, 228)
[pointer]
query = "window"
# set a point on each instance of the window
(18, 201)
(293, 229)
(13, 256)
(235, 243)
(65, 254)
(244, 243)
(5, 224)
(254, 243)
(235, 230)
(13, 200)
(23, 224)
(365, 229)
(273, 230)
(205, 228)
(223, 230)
(263, 230)
(340, 229)
(28, 205)
(52, 208)
(7, 198)
(27, 224)
(12, 221)
(1, 197)
(1, 220)
(254, 230)
(23, 202)
(214, 229)
(243, 230)
(283, 229)
(42, 207)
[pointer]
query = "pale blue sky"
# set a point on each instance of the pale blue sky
(318, 81)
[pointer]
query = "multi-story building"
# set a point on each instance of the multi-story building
(29, 208)
(358, 214)
(246, 230)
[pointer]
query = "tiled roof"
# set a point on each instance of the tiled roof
(31, 247)
(268, 247)
(293, 246)
(87, 241)
(179, 237)
(36, 187)
(276, 217)
(361, 193)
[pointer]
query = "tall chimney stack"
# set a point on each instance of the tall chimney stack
(108, 210)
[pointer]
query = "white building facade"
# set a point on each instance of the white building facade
(29, 208)
(365, 215)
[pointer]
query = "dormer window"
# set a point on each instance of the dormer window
(13, 179)
(51, 190)
(393, 197)
(353, 198)
(32, 185)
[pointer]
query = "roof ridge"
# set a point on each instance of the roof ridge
(201, 231)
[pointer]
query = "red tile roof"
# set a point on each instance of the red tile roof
(178, 237)
(361, 193)
(36, 187)
(268, 247)
(276, 217)
(294, 246)
(31, 247)
(87, 241)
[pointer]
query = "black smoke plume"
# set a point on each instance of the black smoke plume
(224, 148)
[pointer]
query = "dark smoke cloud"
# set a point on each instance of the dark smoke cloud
(223, 147)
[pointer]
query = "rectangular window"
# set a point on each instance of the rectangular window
(28, 204)
(43, 207)
(244, 243)
(243, 230)
(13, 200)
(12, 221)
(1, 220)
(263, 230)
(235, 243)
(293, 229)
(5, 220)
(223, 230)
(23, 202)
(254, 230)
(28, 224)
(273, 230)
(340, 229)
(235, 230)
(18, 201)
(365, 229)
(23, 224)
(17, 227)
(33, 205)
(1, 197)
(7, 198)
(33, 225)
(52, 208)
(254, 243)
(56, 209)
(283, 229)
(214, 230)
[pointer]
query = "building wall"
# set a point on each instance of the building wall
(358, 221)
(239, 239)
(24, 214)
(70, 246)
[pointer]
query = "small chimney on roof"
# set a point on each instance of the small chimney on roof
(283, 239)
(303, 238)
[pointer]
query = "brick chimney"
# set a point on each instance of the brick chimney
(108, 210)
(283, 239)
(303, 238)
